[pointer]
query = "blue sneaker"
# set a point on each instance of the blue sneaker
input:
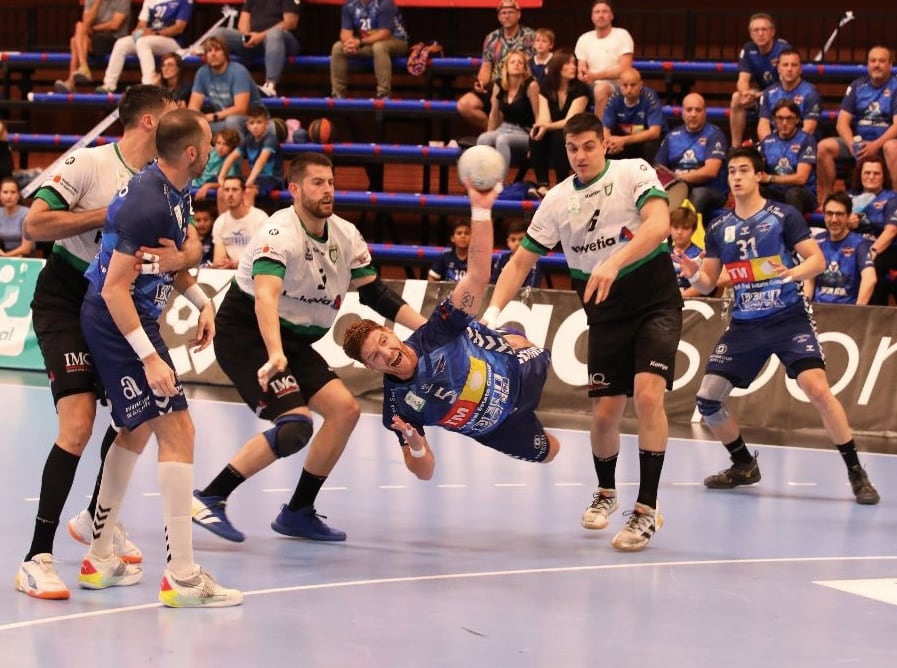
(208, 512)
(305, 523)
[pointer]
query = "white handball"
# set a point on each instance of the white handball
(483, 165)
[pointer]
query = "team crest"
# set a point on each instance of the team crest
(608, 189)
(729, 235)
(333, 251)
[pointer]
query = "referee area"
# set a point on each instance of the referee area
(485, 565)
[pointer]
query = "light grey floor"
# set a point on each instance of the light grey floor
(486, 565)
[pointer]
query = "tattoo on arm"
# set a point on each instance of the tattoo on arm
(467, 300)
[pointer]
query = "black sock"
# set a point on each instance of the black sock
(849, 453)
(306, 491)
(739, 452)
(108, 440)
(224, 483)
(650, 464)
(606, 469)
(56, 483)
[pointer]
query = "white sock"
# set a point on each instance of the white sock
(117, 472)
(176, 486)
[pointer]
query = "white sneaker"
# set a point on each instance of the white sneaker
(267, 89)
(198, 591)
(643, 522)
(38, 578)
(604, 504)
(81, 529)
(112, 572)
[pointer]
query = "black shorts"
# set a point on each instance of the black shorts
(56, 316)
(101, 43)
(644, 342)
(241, 350)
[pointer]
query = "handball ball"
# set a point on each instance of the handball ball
(483, 165)
(320, 131)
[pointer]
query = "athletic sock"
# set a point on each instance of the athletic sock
(650, 465)
(739, 453)
(108, 439)
(224, 483)
(606, 469)
(176, 486)
(56, 483)
(117, 472)
(306, 491)
(849, 453)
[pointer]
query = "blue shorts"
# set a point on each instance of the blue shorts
(521, 434)
(121, 371)
(746, 345)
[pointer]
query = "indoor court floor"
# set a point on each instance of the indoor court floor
(485, 565)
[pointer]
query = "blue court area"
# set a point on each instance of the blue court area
(486, 565)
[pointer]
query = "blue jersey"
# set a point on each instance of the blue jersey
(149, 208)
(448, 267)
(468, 379)
(621, 119)
(533, 278)
(844, 262)
(761, 67)
(804, 95)
(160, 14)
(252, 148)
(692, 251)
(375, 15)
(688, 151)
(782, 156)
(872, 107)
(874, 210)
(747, 249)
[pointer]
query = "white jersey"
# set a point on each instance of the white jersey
(234, 233)
(595, 220)
(87, 180)
(603, 53)
(316, 271)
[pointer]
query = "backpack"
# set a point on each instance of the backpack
(419, 56)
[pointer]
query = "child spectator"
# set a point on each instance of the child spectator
(261, 148)
(204, 214)
(12, 214)
(226, 141)
(452, 265)
(543, 47)
(516, 232)
(683, 223)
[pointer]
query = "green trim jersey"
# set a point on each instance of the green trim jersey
(594, 220)
(316, 271)
(88, 179)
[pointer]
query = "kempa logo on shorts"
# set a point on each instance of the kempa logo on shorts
(654, 364)
(129, 388)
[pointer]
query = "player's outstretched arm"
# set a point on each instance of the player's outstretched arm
(469, 291)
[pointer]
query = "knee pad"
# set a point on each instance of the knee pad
(289, 434)
(712, 394)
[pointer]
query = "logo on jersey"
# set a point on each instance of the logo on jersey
(471, 394)
(333, 252)
(415, 402)
(599, 244)
(608, 189)
(625, 234)
(69, 160)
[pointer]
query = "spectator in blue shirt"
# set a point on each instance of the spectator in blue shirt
(452, 265)
(790, 158)
(756, 70)
(633, 119)
(265, 27)
(370, 28)
(791, 85)
(865, 124)
(849, 275)
(224, 90)
(696, 151)
(261, 149)
(516, 233)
